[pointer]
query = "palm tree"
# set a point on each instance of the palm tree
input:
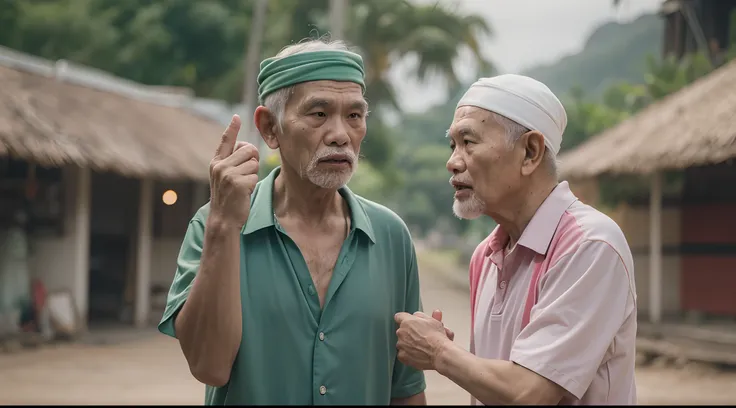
(388, 30)
(385, 31)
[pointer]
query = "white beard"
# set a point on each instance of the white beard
(469, 208)
(330, 179)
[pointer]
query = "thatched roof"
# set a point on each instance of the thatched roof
(691, 127)
(54, 121)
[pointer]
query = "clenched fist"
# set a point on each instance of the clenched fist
(233, 176)
(421, 338)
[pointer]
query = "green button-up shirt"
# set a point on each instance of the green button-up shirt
(293, 352)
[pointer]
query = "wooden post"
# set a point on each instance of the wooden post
(143, 259)
(80, 235)
(655, 249)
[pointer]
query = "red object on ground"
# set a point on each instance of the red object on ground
(39, 295)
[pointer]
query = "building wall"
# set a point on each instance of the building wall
(634, 222)
(52, 257)
(53, 260)
(170, 225)
(709, 259)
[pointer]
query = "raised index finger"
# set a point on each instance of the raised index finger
(229, 137)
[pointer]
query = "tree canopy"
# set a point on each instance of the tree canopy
(201, 45)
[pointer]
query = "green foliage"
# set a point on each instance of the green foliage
(614, 53)
(585, 118)
(268, 162)
(426, 185)
(368, 182)
(174, 42)
(378, 145)
(201, 45)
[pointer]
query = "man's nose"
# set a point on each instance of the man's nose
(455, 164)
(338, 134)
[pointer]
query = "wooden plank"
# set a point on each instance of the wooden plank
(723, 335)
(688, 350)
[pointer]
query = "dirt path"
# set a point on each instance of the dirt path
(151, 369)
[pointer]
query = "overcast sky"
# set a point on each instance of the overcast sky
(527, 33)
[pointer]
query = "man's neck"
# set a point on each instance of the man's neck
(516, 213)
(292, 196)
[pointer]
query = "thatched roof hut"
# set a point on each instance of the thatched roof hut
(100, 122)
(694, 126)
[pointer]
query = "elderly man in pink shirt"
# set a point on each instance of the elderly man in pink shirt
(553, 300)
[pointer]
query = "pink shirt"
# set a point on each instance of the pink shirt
(561, 303)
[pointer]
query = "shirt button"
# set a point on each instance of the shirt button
(311, 290)
(321, 336)
(502, 285)
(323, 390)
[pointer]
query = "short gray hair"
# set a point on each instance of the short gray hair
(513, 133)
(276, 102)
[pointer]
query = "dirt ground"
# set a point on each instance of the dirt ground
(149, 368)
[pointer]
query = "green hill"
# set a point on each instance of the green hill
(613, 53)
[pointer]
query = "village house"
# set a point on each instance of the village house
(683, 235)
(100, 176)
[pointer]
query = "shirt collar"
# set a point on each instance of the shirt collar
(261, 210)
(541, 229)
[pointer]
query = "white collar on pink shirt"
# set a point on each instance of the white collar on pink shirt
(541, 229)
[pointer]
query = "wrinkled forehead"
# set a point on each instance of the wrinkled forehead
(329, 94)
(472, 120)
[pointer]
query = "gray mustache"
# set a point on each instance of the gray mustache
(322, 154)
(459, 180)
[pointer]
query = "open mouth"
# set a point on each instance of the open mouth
(336, 159)
(461, 187)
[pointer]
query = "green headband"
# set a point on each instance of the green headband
(332, 65)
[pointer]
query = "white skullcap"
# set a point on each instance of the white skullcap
(524, 100)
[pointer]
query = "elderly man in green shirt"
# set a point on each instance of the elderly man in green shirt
(286, 288)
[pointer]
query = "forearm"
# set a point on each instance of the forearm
(416, 399)
(492, 382)
(209, 326)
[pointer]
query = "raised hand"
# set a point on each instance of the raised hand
(233, 177)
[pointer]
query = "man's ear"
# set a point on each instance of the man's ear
(266, 124)
(534, 148)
